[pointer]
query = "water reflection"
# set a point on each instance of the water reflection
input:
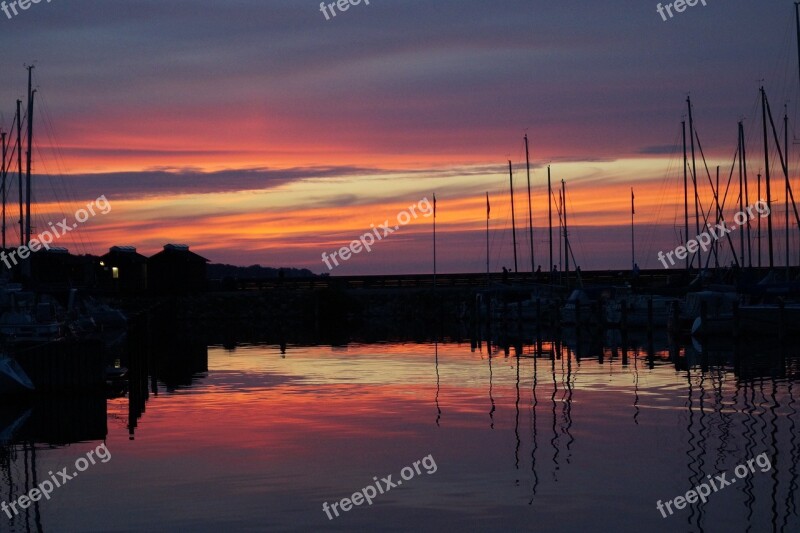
(45, 427)
(35, 426)
(580, 433)
(734, 408)
(436, 359)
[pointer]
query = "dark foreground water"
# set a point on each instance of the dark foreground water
(262, 439)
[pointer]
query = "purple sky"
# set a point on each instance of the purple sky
(192, 99)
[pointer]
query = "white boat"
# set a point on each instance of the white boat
(13, 379)
(719, 310)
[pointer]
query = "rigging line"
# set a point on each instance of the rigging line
(781, 60)
(716, 197)
(665, 181)
(81, 245)
(58, 160)
(530, 221)
(58, 157)
(41, 160)
(495, 235)
(786, 58)
(783, 162)
(55, 147)
(12, 152)
(580, 242)
(730, 177)
(721, 205)
(497, 240)
(750, 123)
(568, 249)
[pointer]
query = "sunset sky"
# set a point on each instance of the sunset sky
(258, 132)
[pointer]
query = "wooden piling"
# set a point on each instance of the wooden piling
(538, 325)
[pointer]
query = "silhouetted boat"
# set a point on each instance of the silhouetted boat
(637, 309)
(587, 305)
(753, 319)
(26, 317)
(718, 306)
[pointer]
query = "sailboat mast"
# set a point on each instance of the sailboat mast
(786, 176)
(719, 217)
(566, 233)
(560, 208)
(741, 192)
(746, 195)
(19, 172)
(530, 203)
(550, 219)
(633, 253)
(797, 30)
(694, 179)
(784, 168)
(513, 216)
(759, 222)
(488, 211)
(3, 172)
(29, 156)
(766, 176)
(685, 192)
(434, 241)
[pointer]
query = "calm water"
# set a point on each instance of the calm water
(262, 439)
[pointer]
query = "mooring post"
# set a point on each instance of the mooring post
(538, 326)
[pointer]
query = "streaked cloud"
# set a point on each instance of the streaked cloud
(234, 126)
